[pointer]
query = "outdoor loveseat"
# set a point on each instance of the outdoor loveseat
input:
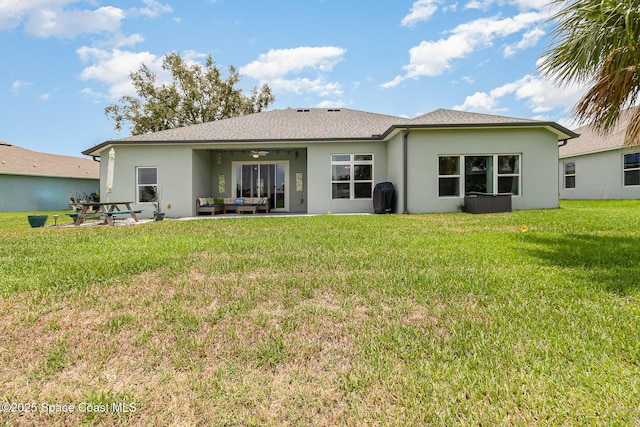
(210, 205)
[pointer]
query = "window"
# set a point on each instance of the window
(497, 173)
(478, 174)
(448, 176)
(569, 174)
(351, 176)
(147, 183)
(631, 169)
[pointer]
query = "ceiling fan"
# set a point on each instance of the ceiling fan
(258, 154)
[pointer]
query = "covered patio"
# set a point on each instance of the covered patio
(276, 175)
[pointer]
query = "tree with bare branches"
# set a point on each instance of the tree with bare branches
(597, 43)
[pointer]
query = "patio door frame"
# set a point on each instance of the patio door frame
(275, 163)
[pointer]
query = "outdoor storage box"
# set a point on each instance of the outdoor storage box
(478, 203)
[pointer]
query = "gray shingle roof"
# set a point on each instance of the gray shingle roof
(591, 141)
(289, 124)
(320, 124)
(16, 160)
(455, 117)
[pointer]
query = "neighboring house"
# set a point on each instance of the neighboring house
(595, 166)
(320, 160)
(33, 181)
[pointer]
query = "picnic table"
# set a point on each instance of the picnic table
(104, 209)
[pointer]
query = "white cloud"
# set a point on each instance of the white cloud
(317, 86)
(280, 62)
(479, 102)
(422, 10)
(432, 58)
(541, 96)
(274, 67)
(544, 96)
(59, 18)
(120, 40)
(475, 4)
(13, 12)
(521, 4)
(529, 39)
(112, 68)
(531, 4)
(44, 97)
(331, 104)
(154, 9)
(69, 23)
(17, 85)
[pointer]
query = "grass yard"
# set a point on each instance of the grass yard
(448, 319)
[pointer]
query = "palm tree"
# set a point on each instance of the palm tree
(597, 43)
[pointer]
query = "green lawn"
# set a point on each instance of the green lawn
(525, 318)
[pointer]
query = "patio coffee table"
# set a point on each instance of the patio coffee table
(247, 208)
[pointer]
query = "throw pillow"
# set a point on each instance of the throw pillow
(239, 202)
(202, 201)
(218, 201)
(210, 201)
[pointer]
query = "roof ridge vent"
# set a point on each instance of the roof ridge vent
(333, 110)
(303, 110)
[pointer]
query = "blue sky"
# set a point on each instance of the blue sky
(64, 61)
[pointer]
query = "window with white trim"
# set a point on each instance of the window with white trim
(569, 175)
(631, 169)
(496, 173)
(147, 184)
(351, 176)
(449, 176)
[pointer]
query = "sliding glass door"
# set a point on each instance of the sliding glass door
(263, 179)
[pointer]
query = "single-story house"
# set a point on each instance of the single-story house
(34, 181)
(318, 160)
(595, 166)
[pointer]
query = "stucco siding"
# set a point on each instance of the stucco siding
(201, 176)
(188, 172)
(319, 175)
(174, 177)
(23, 193)
(597, 176)
(539, 154)
(395, 167)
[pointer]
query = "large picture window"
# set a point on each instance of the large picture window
(569, 175)
(631, 169)
(497, 173)
(147, 184)
(351, 176)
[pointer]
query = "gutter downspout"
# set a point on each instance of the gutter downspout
(405, 173)
(562, 144)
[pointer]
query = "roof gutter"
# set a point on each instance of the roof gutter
(563, 143)
(405, 173)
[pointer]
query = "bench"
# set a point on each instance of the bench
(126, 211)
(203, 207)
(228, 204)
(91, 214)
